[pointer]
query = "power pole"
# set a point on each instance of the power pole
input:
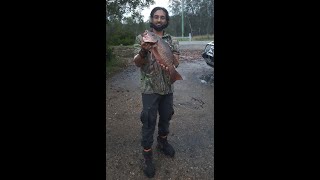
(182, 24)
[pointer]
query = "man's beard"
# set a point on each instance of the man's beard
(159, 28)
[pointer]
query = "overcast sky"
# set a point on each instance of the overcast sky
(161, 3)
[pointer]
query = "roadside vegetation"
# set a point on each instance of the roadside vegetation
(121, 57)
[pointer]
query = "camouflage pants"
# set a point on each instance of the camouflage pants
(152, 104)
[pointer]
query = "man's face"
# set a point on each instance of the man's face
(159, 21)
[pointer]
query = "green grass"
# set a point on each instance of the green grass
(118, 58)
(114, 65)
(203, 38)
(197, 38)
(182, 39)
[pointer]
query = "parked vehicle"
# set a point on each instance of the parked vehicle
(208, 53)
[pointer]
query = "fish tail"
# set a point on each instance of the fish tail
(174, 75)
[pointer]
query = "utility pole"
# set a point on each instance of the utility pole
(182, 24)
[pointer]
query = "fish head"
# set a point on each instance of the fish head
(149, 37)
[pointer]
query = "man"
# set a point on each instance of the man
(157, 91)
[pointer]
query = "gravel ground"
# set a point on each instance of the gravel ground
(191, 129)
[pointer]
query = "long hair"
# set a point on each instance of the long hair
(156, 9)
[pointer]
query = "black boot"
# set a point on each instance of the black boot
(149, 169)
(165, 147)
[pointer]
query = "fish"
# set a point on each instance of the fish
(162, 53)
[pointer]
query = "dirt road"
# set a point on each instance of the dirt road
(191, 129)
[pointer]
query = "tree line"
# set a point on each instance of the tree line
(198, 18)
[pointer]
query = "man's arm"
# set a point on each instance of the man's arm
(139, 59)
(140, 51)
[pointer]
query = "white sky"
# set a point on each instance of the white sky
(161, 3)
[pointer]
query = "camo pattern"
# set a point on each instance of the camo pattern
(153, 78)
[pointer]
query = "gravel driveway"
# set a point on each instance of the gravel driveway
(191, 130)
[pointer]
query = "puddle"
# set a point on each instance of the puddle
(207, 79)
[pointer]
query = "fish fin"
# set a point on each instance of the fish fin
(174, 75)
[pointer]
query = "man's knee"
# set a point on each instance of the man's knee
(148, 117)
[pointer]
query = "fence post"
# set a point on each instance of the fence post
(189, 36)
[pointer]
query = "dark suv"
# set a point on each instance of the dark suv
(208, 53)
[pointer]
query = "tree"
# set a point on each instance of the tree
(198, 15)
(117, 32)
(115, 9)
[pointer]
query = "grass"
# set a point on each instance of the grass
(182, 39)
(197, 38)
(118, 59)
(203, 38)
(114, 65)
